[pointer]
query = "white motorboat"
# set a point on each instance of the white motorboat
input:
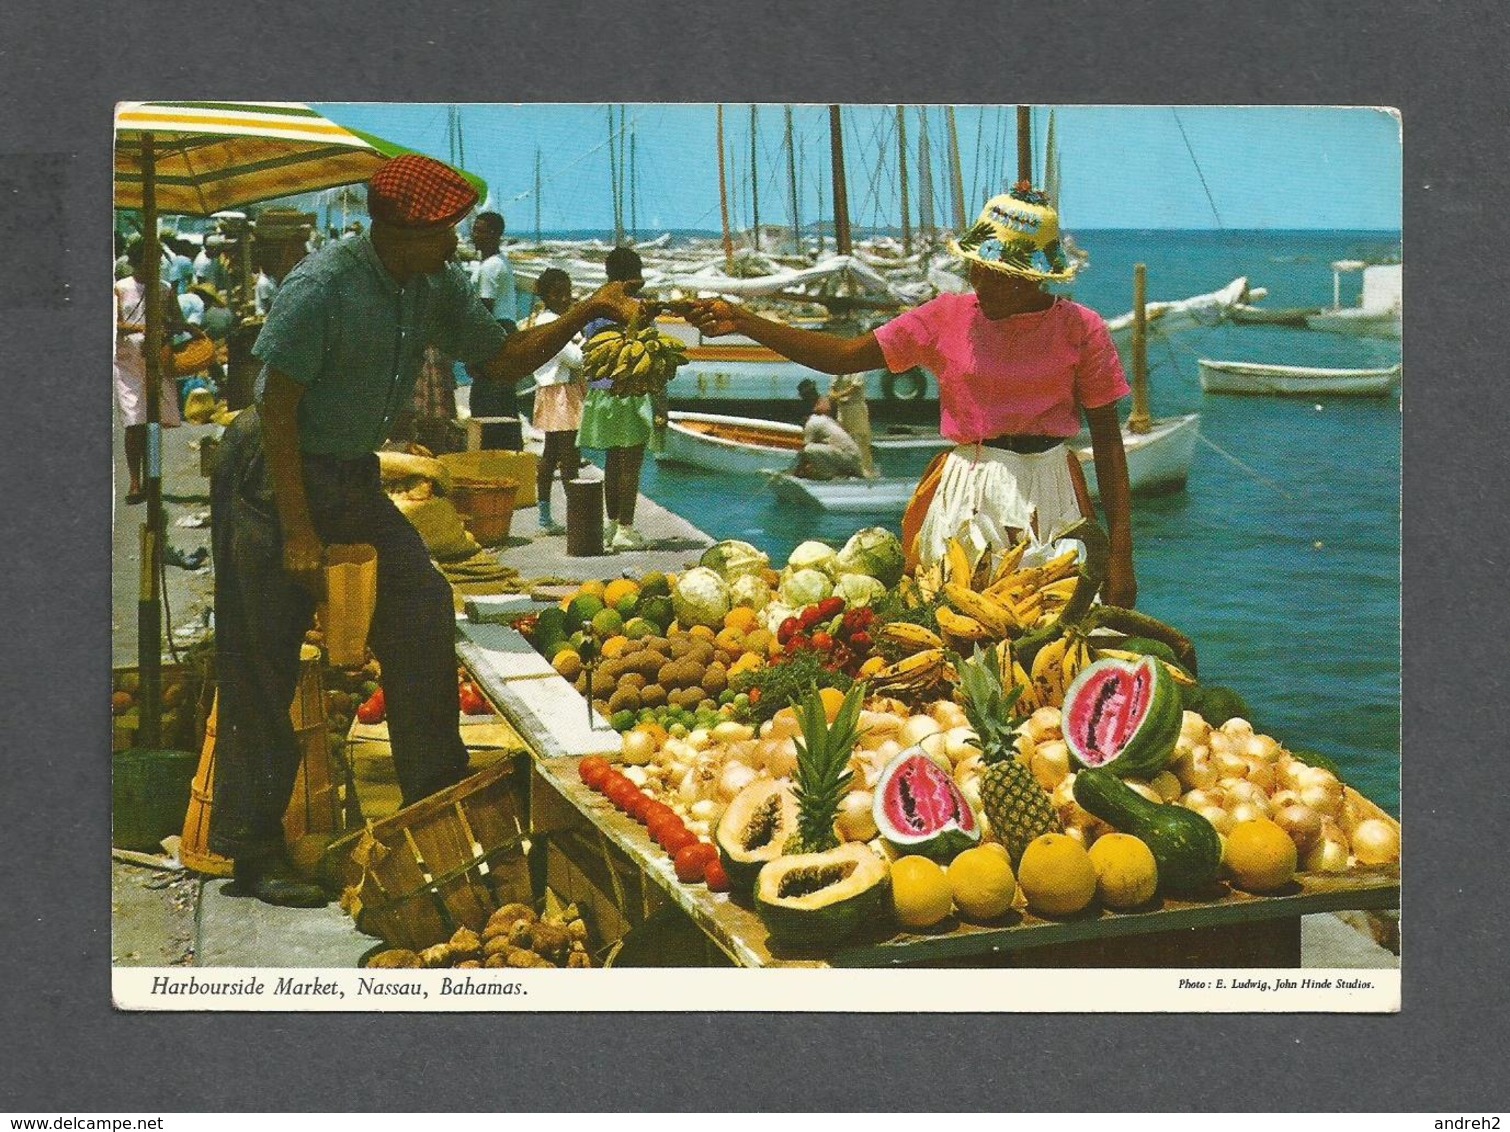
(1379, 308)
(1296, 381)
(747, 445)
(1158, 462)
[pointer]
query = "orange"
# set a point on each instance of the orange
(731, 639)
(741, 617)
(615, 646)
(701, 632)
(618, 589)
(593, 587)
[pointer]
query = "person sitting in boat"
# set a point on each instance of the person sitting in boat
(1017, 367)
(828, 452)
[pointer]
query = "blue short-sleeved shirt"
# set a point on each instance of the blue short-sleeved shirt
(354, 338)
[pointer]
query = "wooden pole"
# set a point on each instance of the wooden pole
(956, 176)
(902, 173)
(841, 194)
(723, 193)
(1140, 421)
(149, 603)
(791, 174)
(1024, 143)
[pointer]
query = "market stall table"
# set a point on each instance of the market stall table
(1236, 929)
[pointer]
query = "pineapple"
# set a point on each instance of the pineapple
(822, 775)
(1017, 808)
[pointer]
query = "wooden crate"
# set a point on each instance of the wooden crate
(446, 862)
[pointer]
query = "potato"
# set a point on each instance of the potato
(465, 944)
(397, 957)
(551, 940)
(437, 956)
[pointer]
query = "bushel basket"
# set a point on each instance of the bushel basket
(446, 862)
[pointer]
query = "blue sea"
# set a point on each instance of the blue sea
(1281, 560)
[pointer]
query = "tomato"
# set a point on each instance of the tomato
(657, 811)
(677, 838)
(593, 770)
(692, 862)
(374, 710)
(823, 641)
(860, 640)
(788, 629)
(660, 824)
(637, 804)
(715, 876)
(830, 606)
(472, 701)
(614, 785)
(809, 617)
(798, 643)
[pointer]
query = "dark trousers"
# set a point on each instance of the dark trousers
(261, 616)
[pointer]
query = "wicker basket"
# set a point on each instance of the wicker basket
(446, 862)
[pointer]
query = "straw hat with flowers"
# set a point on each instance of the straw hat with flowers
(1018, 234)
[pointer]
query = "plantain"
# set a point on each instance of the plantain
(911, 636)
(962, 627)
(997, 618)
(1011, 558)
(1048, 673)
(956, 564)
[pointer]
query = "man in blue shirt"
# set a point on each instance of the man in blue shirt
(341, 350)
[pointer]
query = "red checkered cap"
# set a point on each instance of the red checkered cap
(414, 191)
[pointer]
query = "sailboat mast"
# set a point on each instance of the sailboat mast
(925, 176)
(634, 191)
(791, 173)
(754, 182)
(613, 184)
(902, 171)
(841, 199)
(1024, 143)
(956, 182)
(537, 195)
(723, 192)
(1139, 421)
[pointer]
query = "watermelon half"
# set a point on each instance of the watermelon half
(1124, 716)
(919, 809)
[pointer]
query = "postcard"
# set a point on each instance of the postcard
(756, 557)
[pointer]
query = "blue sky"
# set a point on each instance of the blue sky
(1123, 167)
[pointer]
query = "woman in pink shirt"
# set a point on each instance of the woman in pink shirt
(1017, 368)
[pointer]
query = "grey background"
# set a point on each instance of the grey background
(62, 66)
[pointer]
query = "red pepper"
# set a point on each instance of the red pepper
(830, 606)
(810, 616)
(788, 629)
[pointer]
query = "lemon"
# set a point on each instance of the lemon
(1260, 856)
(919, 892)
(567, 664)
(1056, 875)
(982, 882)
(1127, 875)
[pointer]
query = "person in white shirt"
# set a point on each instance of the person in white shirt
(495, 286)
(560, 389)
(210, 265)
(828, 452)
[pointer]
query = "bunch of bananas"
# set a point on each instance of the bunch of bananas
(637, 360)
(997, 600)
(1055, 667)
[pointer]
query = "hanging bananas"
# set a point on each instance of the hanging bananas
(636, 360)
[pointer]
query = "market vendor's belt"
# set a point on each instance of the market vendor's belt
(1024, 445)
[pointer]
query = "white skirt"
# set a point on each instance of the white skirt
(988, 497)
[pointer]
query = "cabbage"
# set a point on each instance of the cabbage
(733, 559)
(701, 597)
(874, 551)
(751, 590)
(813, 556)
(805, 587)
(859, 589)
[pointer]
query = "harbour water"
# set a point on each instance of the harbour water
(1281, 559)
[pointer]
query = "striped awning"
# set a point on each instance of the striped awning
(211, 156)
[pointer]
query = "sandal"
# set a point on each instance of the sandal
(135, 497)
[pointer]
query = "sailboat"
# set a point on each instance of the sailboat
(1159, 450)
